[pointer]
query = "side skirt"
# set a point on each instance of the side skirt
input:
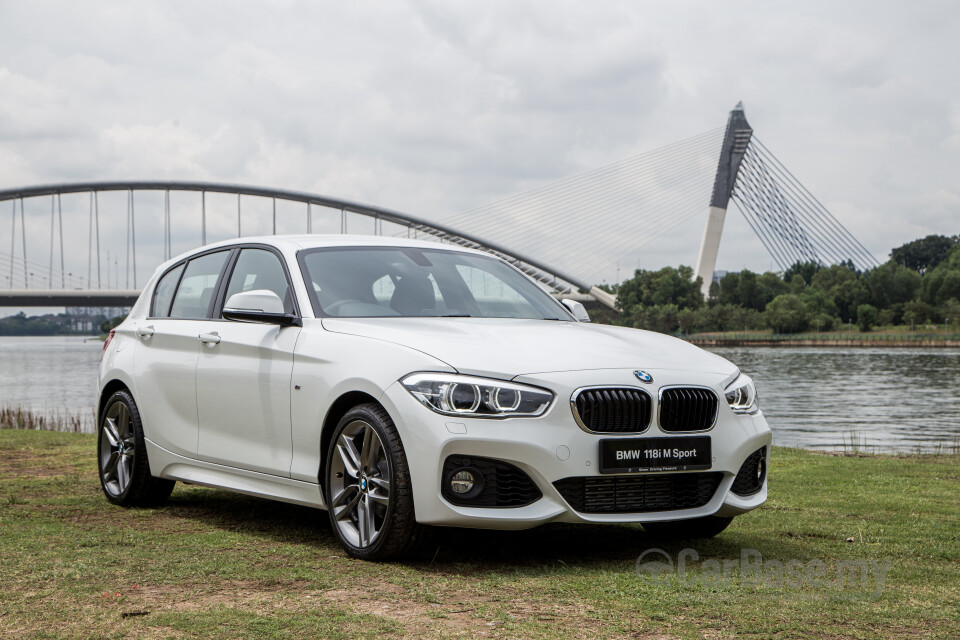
(166, 464)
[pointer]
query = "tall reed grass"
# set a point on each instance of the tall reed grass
(49, 420)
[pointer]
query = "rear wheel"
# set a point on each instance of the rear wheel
(122, 457)
(368, 491)
(706, 527)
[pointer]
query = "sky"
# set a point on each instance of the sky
(439, 107)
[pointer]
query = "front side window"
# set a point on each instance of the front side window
(199, 283)
(259, 269)
(164, 292)
(357, 282)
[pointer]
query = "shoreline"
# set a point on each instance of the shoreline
(826, 340)
(20, 418)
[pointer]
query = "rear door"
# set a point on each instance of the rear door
(167, 348)
(244, 375)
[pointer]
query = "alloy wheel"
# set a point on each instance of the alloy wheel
(117, 449)
(360, 477)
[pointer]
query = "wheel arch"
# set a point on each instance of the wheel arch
(338, 409)
(108, 390)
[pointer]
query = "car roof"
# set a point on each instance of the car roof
(315, 240)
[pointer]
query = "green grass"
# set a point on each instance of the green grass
(217, 565)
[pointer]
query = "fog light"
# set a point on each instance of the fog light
(462, 482)
(761, 470)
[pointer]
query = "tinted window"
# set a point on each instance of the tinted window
(394, 281)
(198, 286)
(164, 292)
(260, 269)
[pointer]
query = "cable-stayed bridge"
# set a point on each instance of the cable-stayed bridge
(95, 243)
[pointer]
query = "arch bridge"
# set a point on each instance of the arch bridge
(67, 241)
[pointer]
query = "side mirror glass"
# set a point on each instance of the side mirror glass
(259, 305)
(577, 309)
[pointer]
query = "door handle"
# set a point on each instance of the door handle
(145, 332)
(210, 339)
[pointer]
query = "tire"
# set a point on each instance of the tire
(367, 488)
(706, 527)
(122, 462)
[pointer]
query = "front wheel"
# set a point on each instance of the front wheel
(122, 457)
(368, 491)
(706, 527)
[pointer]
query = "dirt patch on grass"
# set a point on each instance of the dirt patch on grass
(249, 595)
(32, 463)
(111, 516)
(468, 613)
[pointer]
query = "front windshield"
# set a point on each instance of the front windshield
(365, 282)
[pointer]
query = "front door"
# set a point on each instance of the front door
(244, 377)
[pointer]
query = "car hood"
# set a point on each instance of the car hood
(507, 347)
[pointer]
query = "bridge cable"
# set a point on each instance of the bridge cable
(627, 199)
(96, 214)
(23, 238)
(63, 269)
(600, 196)
(810, 202)
(53, 206)
(133, 235)
(13, 239)
(787, 219)
(35, 268)
(843, 245)
(563, 197)
(562, 193)
(810, 256)
(591, 175)
(765, 211)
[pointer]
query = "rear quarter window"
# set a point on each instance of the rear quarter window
(164, 293)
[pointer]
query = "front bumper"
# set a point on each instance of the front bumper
(553, 447)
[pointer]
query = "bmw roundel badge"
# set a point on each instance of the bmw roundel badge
(643, 376)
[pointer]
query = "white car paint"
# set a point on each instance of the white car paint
(248, 413)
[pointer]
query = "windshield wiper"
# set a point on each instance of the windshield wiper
(452, 315)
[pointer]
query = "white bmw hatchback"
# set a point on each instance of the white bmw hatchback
(399, 384)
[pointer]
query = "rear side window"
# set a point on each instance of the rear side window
(164, 293)
(198, 286)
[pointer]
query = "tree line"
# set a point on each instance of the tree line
(73, 322)
(919, 284)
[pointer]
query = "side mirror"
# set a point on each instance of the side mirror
(577, 309)
(260, 305)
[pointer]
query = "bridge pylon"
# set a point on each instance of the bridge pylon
(735, 142)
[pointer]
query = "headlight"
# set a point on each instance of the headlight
(456, 395)
(741, 395)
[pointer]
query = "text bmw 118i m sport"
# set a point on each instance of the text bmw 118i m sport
(400, 384)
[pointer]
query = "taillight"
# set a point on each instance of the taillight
(106, 343)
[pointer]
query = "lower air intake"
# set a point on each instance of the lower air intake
(639, 494)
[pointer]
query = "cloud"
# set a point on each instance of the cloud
(436, 107)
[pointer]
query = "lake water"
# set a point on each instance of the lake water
(875, 399)
(883, 399)
(52, 375)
